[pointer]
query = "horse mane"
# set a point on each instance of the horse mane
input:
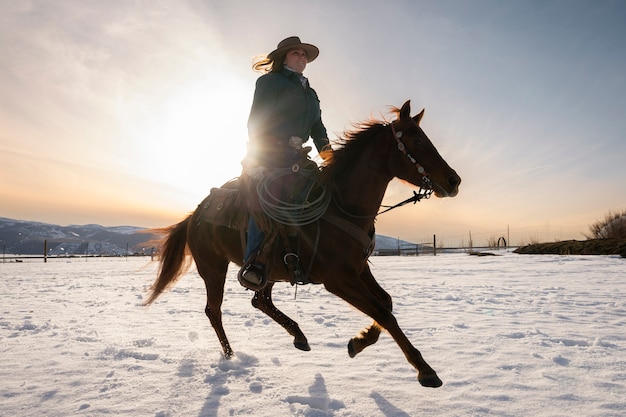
(351, 146)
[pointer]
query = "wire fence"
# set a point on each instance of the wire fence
(507, 237)
(512, 237)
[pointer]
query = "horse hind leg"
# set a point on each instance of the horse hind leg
(262, 300)
(216, 323)
(214, 277)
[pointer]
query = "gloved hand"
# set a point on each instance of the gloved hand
(326, 152)
(305, 150)
(256, 172)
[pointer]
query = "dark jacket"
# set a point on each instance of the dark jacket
(282, 108)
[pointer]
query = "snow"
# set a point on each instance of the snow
(511, 335)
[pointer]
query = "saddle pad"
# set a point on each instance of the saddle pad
(222, 208)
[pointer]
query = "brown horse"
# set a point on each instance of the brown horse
(335, 247)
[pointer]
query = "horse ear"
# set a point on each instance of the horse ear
(405, 111)
(418, 116)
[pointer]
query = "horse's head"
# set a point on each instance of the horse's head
(417, 160)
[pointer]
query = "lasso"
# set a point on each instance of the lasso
(290, 214)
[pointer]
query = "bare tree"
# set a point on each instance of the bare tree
(613, 226)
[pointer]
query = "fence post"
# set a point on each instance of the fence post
(434, 245)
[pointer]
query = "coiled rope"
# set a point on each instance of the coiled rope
(292, 214)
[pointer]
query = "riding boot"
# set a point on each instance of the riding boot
(251, 274)
(254, 240)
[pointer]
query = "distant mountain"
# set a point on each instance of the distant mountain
(386, 242)
(27, 238)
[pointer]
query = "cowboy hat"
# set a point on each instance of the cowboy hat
(293, 42)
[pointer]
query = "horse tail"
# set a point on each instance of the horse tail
(174, 260)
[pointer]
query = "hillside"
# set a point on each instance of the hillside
(577, 247)
(27, 238)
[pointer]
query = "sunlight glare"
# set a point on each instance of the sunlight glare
(196, 138)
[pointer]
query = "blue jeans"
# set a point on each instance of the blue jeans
(255, 239)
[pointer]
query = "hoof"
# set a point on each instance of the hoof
(351, 350)
(302, 345)
(432, 381)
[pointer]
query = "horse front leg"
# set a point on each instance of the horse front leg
(263, 301)
(362, 294)
(366, 338)
(426, 375)
(370, 335)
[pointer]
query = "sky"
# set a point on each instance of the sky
(127, 113)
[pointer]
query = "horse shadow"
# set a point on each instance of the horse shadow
(386, 407)
(239, 366)
(318, 398)
(219, 388)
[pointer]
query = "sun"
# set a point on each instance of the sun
(195, 137)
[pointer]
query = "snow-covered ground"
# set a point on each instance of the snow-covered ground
(512, 335)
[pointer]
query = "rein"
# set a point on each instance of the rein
(417, 196)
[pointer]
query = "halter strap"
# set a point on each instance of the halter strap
(397, 135)
(426, 183)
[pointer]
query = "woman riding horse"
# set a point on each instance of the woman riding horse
(335, 248)
(285, 113)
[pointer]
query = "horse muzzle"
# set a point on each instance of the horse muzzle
(450, 189)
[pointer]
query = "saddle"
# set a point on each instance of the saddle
(280, 204)
(223, 206)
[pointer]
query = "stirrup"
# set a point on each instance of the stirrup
(294, 269)
(252, 268)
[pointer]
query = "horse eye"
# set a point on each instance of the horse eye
(415, 137)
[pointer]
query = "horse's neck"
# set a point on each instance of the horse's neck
(361, 191)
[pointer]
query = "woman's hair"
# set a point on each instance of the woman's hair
(264, 64)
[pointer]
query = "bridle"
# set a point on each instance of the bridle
(426, 186)
(426, 183)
